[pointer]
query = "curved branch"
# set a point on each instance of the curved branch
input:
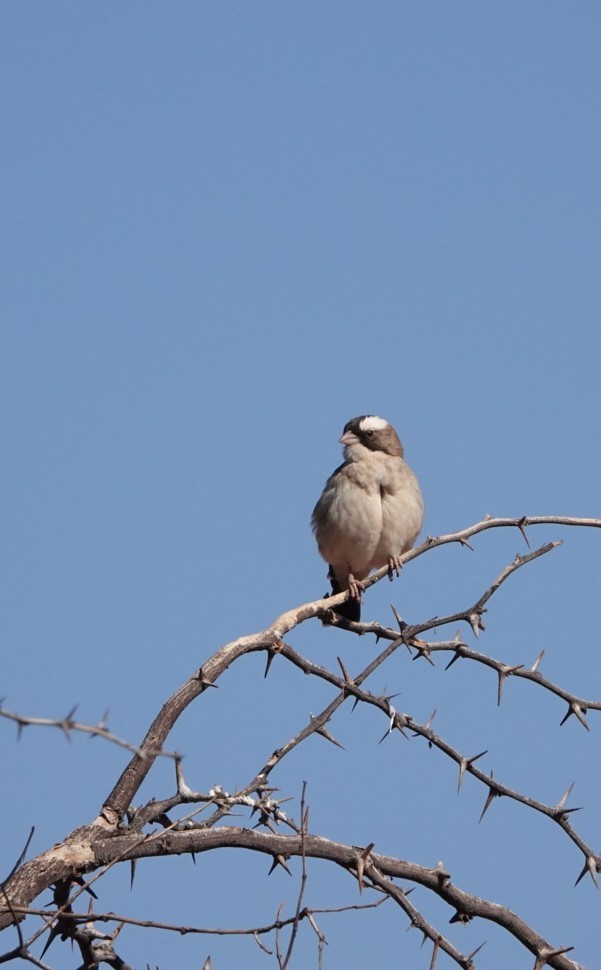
(124, 791)
(379, 869)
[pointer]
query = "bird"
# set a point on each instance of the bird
(371, 509)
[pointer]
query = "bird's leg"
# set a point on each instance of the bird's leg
(394, 566)
(355, 587)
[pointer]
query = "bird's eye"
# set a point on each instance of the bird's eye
(369, 434)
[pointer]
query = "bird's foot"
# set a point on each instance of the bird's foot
(395, 564)
(355, 586)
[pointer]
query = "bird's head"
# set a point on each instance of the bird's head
(372, 432)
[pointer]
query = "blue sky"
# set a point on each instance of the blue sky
(229, 228)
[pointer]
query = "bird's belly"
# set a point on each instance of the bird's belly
(402, 519)
(353, 533)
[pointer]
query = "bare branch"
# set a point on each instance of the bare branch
(117, 834)
(67, 725)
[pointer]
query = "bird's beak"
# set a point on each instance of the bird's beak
(349, 438)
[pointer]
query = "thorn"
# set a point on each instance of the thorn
(568, 811)
(565, 796)
(279, 860)
(465, 763)
(522, 528)
(543, 958)
(428, 727)
(422, 650)
(492, 794)
(435, 950)
(200, 676)
(471, 955)
(132, 873)
(460, 917)
(416, 733)
(207, 964)
(66, 724)
(464, 542)
(398, 618)
(475, 621)
(579, 711)
(590, 866)
(391, 724)
(503, 673)
(401, 721)
(534, 666)
(54, 932)
(80, 882)
(272, 650)
(326, 734)
(456, 656)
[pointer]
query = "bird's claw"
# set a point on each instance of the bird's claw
(355, 587)
(395, 564)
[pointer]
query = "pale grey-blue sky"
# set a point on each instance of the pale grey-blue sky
(228, 229)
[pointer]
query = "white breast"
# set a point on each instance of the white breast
(350, 532)
(371, 509)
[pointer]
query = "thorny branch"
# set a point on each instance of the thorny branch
(112, 838)
(67, 725)
(377, 872)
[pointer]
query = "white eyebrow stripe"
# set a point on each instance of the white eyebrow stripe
(373, 423)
